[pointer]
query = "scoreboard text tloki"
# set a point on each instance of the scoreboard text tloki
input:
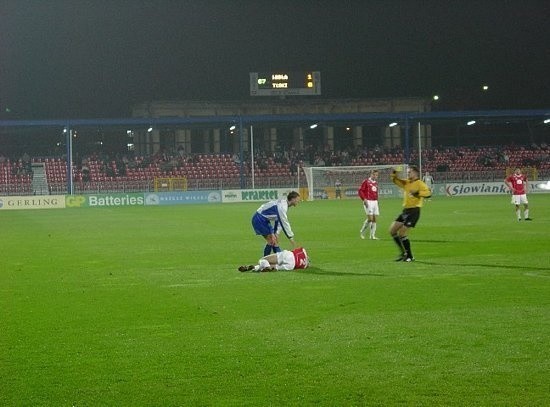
(285, 83)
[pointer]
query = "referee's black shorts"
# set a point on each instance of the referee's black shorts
(409, 217)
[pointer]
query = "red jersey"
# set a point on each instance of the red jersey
(518, 183)
(369, 190)
(301, 261)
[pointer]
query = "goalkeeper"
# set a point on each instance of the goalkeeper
(414, 192)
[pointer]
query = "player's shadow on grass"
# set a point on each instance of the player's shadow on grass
(321, 272)
(434, 241)
(497, 266)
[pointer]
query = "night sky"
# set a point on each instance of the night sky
(95, 58)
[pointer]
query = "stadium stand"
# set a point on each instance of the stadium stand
(15, 178)
(104, 174)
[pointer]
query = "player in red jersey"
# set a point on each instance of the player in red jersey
(368, 192)
(284, 260)
(518, 185)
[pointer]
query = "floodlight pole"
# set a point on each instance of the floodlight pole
(241, 153)
(69, 142)
(407, 143)
(419, 151)
(252, 154)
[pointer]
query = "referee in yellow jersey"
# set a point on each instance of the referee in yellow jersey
(414, 192)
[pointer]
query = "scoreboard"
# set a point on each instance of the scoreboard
(283, 83)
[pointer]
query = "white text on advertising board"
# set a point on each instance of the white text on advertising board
(115, 200)
(479, 188)
(259, 195)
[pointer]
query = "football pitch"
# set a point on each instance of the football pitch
(144, 306)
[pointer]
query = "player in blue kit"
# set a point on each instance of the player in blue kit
(271, 218)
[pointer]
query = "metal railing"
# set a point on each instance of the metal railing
(24, 188)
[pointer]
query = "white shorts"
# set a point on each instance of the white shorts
(285, 260)
(371, 208)
(519, 199)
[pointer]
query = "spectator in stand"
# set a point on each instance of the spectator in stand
(518, 185)
(262, 165)
(319, 162)
(181, 151)
(85, 171)
(293, 168)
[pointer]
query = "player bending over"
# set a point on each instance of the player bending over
(284, 260)
(271, 218)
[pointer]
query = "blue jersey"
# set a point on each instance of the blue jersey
(276, 212)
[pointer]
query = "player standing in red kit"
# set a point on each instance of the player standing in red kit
(518, 185)
(368, 192)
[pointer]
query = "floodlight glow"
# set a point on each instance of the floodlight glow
(546, 121)
(392, 124)
(471, 123)
(150, 129)
(232, 127)
(314, 126)
(436, 97)
(485, 87)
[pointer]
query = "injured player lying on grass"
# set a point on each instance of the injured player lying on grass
(284, 260)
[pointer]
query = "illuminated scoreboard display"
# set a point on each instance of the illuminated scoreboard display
(285, 83)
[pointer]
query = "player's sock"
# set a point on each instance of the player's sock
(262, 265)
(267, 249)
(407, 245)
(276, 249)
(373, 229)
(397, 241)
(364, 228)
(518, 214)
(526, 214)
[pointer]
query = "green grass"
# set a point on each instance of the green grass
(144, 306)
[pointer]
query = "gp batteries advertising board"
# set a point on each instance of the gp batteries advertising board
(141, 199)
(104, 200)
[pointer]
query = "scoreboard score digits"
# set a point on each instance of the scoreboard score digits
(279, 83)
